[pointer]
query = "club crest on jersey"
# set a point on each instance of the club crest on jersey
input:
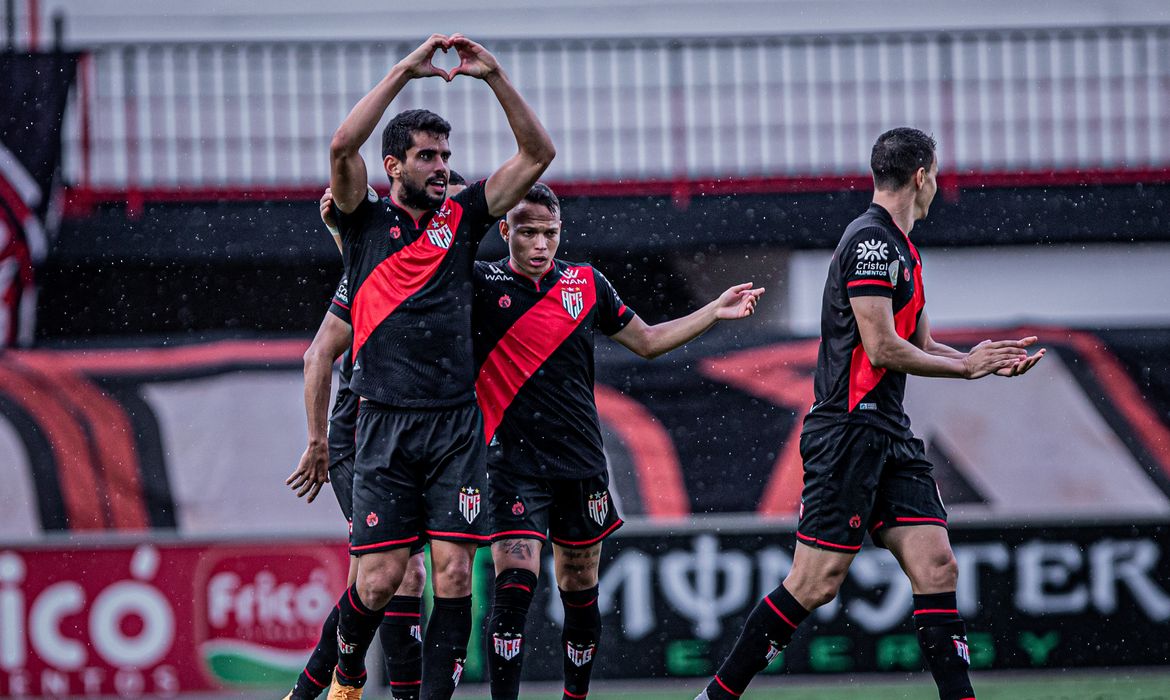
(598, 506)
(507, 645)
(573, 301)
(440, 234)
(873, 249)
(579, 654)
(469, 502)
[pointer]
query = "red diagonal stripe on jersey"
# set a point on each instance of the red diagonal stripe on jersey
(863, 376)
(398, 277)
(527, 344)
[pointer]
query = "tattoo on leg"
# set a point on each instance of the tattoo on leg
(519, 548)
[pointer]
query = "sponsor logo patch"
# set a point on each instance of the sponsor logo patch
(371, 520)
(855, 522)
(469, 502)
(517, 508)
(395, 232)
(505, 301)
(873, 249)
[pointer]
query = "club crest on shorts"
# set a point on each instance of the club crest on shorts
(507, 645)
(440, 234)
(579, 654)
(598, 506)
(371, 520)
(574, 301)
(469, 502)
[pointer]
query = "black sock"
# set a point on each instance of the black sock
(768, 630)
(514, 589)
(579, 640)
(401, 636)
(356, 627)
(943, 639)
(445, 646)
(319, 669)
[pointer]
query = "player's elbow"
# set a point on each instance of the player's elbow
(541, 153)
(879, 353)
(315, 356)
(342, 144)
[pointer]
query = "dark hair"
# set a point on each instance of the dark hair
(897, 155)
(398, 135)
(454, 178)
(543, 195)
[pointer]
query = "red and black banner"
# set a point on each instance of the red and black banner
(35, 88)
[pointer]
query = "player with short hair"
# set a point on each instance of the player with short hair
(864, 471)
(419, 469)
(329, 458)
(534, 319)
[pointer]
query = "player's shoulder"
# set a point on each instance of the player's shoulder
(492, 270)
(472, 193)
(582, 270)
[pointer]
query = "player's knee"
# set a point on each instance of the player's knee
(944, 573)
(414, 579)
(577, 577)
(375, 585)
(814, 589)
(452, 577)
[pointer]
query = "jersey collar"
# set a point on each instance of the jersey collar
(552, 274)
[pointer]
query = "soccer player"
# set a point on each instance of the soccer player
(400, 630)
(863, 468)
(419, 468)
(534, 321)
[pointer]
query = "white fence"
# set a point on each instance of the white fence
(261, 114)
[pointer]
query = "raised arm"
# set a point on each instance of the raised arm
(651, 341)
(347, 170)
(332, 338)
(508, 184)
(885, 349)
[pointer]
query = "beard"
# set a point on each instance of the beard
(419, 198)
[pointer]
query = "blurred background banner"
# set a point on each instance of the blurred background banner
(163, 266)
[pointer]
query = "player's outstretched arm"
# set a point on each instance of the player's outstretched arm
(885, 349)
(651, 341)
(923, 339)
(347, 170)
(535, 149)
(332, 338)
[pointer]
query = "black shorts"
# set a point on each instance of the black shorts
(418, 474)
(859, 479)
(341, 479)
(574, 513)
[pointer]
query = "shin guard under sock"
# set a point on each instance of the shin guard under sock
(445, 646)
(768, 630)
(401, 637)
(943, 639)
(513, 596)
(580, 640)
(319, 669)
(356, 627)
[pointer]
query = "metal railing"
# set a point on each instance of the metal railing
(243, 115)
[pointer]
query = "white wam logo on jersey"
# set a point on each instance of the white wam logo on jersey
(573, 301)
(873, 249)
(441, 236)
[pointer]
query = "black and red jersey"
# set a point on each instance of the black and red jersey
(534, 350)
(343, 417)
(410, 292)
(874, 258)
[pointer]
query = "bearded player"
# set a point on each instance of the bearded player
(419, 467)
